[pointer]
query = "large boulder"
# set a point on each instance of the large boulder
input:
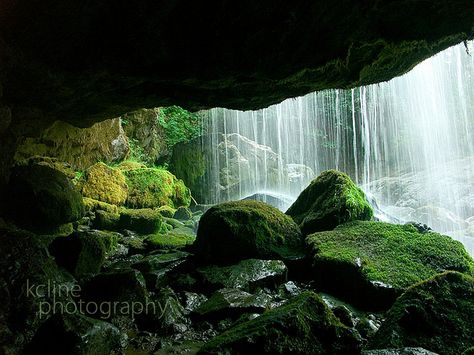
(154, 187)
(238, 230)
(41, 197)
(371, 263)
(331, 199)
(304, 325)
(143, 221)
(436, 314)
(105, 184)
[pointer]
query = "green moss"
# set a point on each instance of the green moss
(155, 187)
(368, 252)
(331, 199)
(170, 240)
(304, 325)
(436, 314)
(92, 205)
(107, 220)
(144, 221)
(105, 184)
(183, 214)
(167, 211)
(130, 165)
(233, 231)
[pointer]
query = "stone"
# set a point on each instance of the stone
(232, 231)
(422, 315)
(176, 238)
(246, 275)
(40, 197)
(155, 187)
(330, 200)
(143, 221)
(229, 302)
(105, 184)
(369, 264)
(74, 334)
(400, 351)
(182, 214)
(303, 325)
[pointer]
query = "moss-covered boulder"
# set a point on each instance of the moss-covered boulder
(371, 263)
(436, 314)
(92, 205)
(41, 197)
(83, 253)
(330, 200)
(106, 220)
(232, 231)
(155, 187)
(304, 325)
(105, 184)
(143, 221)
(167, 211)
(74, 334)
(183, 214)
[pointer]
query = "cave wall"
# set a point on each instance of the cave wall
(84, 62)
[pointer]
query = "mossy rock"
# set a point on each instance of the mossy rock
(175, 238)
(74, 334)
(107, 220)
(330, 200)
(370, 263)
(304, 325)
(92, 205)
(232, 231)
(167, 211)
(40, 198)
(143, 221)
(105, 184)
(155, 187)
(84, 253)
(183, 214)
(436, 314)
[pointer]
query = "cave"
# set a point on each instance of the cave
(236, 177)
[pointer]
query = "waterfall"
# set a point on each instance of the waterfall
(407, 142)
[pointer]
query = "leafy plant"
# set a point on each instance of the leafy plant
(180, 124)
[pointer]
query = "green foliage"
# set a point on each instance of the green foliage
(137, 153)
(180, 125)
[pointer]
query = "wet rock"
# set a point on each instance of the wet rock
(41, 197)
(304, 325)
(330, 200)
(289, 289)
(344, 315)
(192, 301)
(232, 231)
(246, 275)
(423, 315)
(400, 351)
(229, 302)
(369, 264)
(74, 334)
(367, 327)
(106, 220)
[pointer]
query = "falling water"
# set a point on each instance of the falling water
(408, 143)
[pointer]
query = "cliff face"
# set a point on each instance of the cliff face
(84, 62)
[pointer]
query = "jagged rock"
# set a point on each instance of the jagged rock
(304, 325)
(422, 315)
(246, 275)
(76, 335)
(369, 264)
(233, 231)
(401, 351)
(183, 214)
(105, 184)
(40, 197)
(331, 199)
